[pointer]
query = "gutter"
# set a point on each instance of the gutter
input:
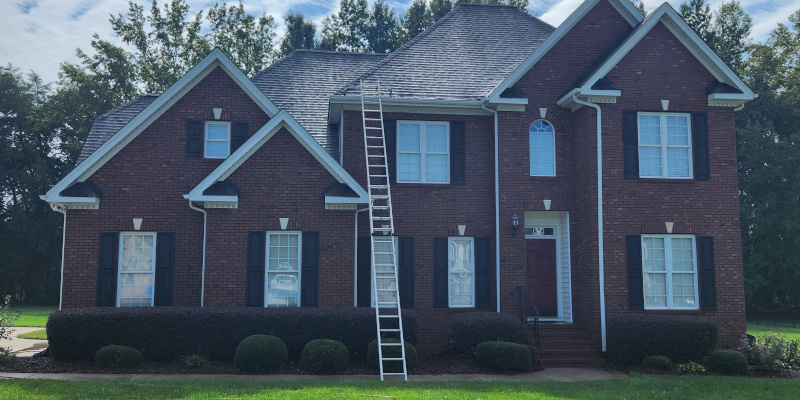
(402, 102)
(203, 273)
(496, 201)
(63, 210)
(601, 260)
(355, 260)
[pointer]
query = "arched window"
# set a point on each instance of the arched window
(543, 148)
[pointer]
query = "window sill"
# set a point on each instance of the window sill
(673, 311)
(665, 180)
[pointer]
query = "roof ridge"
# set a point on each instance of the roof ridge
(298, 51)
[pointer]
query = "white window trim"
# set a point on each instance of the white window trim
(299, 265)
(449, 263)
(119, 265)
(422, 150)
(530, 161)
(206, 139)
(669, 272)
(664, 146)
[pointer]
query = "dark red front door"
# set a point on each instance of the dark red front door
(541, 276)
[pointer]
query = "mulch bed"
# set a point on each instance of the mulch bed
(434, 365)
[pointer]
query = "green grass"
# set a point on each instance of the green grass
(40, 334)
(33, 315)
(635, 387)
(787, 331)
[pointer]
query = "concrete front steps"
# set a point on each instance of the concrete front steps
(566, 345)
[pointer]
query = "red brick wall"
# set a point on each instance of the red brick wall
(280, 180)
(147, 179)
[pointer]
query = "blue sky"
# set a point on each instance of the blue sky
(38, 35)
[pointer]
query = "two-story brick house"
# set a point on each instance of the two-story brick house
(609, 141)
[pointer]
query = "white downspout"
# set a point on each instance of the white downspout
(496, 201)
(63, 210)
(203, 271)
(601, 260)
(355, 261)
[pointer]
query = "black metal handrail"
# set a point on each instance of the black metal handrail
(529, 314)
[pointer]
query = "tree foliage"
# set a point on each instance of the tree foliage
(299, 34)
(726, 31)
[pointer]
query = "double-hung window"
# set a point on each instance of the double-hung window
(665, 145)
(461, 271)
(283, 269)
(542, 142)
(423, 152)
(669, 271)
(137, 266)
(218, 139)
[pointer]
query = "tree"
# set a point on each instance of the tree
(416, 19)
(348, 29)
(440, 8)
(383, 30)
(299, 34)
(698, 15)
(640, 6)
(732, 27)
(246, 40)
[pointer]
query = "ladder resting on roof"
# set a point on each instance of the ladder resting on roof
(385, 290)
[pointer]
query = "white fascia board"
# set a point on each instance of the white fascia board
(628, 11)
(514, 100)
(729, 96)
(346, 200)
(666, 14)
(216, 58)
(567, 99)
(281, 120)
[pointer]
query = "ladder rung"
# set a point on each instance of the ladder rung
(390, 330)
(386, 302)
(375, 156)
(394, 373)
(374, 127)
(379, 186)
(374, 147)
(389, 316)
(391, 359)
(380, 207)
(390, 344)
(373, 119)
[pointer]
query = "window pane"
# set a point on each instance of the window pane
(683, 291)
(408, 167)
(542, 152)
(682, 255)
(655, 290)
(654, 254)
(650, 130)
(283, 266)
(137, 253)
(135, 290)
(436, 168)
(461, 268)
(283, 289)
(436, 138)
(217, 131)
(408, 138)
(460, 255)
(677, 130)
(217, 149)
(678, 162)
(649, 161)
(460, 289)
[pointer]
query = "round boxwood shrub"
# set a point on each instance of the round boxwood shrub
(471, 328)
(261, 353)
(658, 362)
(728, 362)
(324, 356)
(534, 353)
(503, 355)
(116, 356)
(391, 352)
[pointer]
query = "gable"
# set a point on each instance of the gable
(150, 114)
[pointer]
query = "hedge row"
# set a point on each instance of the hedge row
(631, 338)
(168, 333)
(472, 328)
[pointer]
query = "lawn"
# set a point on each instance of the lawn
(635, 387)
(787, 331)
(33, 315)
(41, 334)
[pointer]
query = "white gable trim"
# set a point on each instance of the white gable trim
(216, 58)
(281, 120)
(699, 49)
(625, 8)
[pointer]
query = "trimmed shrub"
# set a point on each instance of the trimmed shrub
(168, 333)
(116, 356)
(534, 353)
(658, 362)
(195, 360)
(728, 362)
(631, 338)
(471, 328)
(261, 353)
(324, 356)
(391, 352)
(503, 355)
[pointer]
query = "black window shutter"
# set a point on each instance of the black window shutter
(702, 165)
(483, 262)
(310, 270)
(107, 270)
(390, 136)
(440, 273)
(708, 287)
(194, 138)
(635, 279)
(238, 135)
(165, 261)
(458, 161)
(630, 138)
(364, 271)
(256, 268)
(406, 271)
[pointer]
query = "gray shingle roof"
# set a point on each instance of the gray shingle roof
(464, 56)
(111, 122)
(302, 83)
